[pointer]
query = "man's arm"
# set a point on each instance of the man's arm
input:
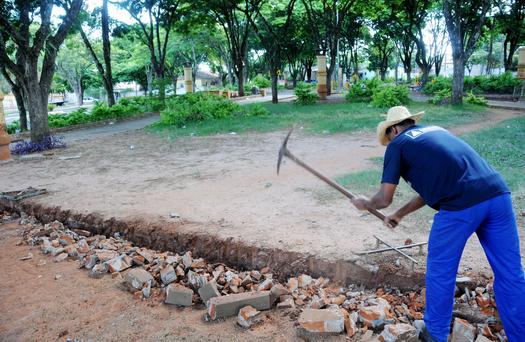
(382, 199)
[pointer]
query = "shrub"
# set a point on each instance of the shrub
(436, 84)
(197, 107)
(442, 96)
(262, 82)
(478, 100)
(51, 106)
(253, 110)
(77, 117)
(362, 91)
(26, 147)
(389, 96)
(13, 127)
(305, 94)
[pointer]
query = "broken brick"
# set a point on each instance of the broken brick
(462, 331)
(399, 333)
(208, 291)
(322, 321)
(178, 295)
(168, 275)
(137, 278)
(230, 305)
(246, 315)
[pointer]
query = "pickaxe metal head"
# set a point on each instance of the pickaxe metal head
(283, 150)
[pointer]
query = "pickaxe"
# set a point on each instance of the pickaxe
(284, 151)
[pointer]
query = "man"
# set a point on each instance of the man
(470, 196)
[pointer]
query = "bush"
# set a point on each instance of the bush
(362, 91)
(478, 100)
(77, 117)
(389, 96)
(194, 107)
(441, 97)
(13, 127)
(437, 84)
(51, 106)
(305, 94)
(253, 110)
(501, 84)
(262, 82)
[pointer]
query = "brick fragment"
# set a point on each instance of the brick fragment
(350, 323)
(98, 271)
(137, 278)
(462, 331)
(246, 315)
(304, 281)
(224, 306)
(208, 291)
(375, 315)
(399, 333)
(277, 291)
(293, 284)
(119, 263)
(82, 246)
(178, 295)
(60, 257)
(168, 275)
(322, 321)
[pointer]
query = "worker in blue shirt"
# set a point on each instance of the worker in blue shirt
(470, 197)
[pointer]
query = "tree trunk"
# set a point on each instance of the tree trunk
(18, 92)
(437, 64)
(149, 80)
(489, 56)
(37, 107)
(240, 80)
(458, 79)
(78, 94)
(274, 77)
(106, 46)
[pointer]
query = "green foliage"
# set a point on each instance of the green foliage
(254, 109)
(305, 94)
(437, 84)
(473, 99)
(442, 96)
(362, 91)
(51, 106)
(77, 117)
(195, 107)
(389, 96)
(262, 82)
(13, 127)
(502, 84)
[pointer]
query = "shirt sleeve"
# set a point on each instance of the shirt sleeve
(392, 165)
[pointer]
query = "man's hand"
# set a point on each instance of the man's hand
(361, 203)
(391, 221)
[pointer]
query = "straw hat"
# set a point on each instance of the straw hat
(393, 116)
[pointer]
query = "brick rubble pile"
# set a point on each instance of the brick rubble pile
(321, 307)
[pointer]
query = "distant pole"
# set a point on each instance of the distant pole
(321, 77)
(521, 63)
(5, 140)
(188, 82)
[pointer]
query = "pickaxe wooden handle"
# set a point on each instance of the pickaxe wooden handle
(285, 152)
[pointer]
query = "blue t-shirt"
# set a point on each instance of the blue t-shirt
(441, 168)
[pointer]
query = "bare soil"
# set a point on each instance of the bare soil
(226, 185)
(35, 306)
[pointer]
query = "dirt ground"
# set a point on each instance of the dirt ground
(35, 306)
(227, 185)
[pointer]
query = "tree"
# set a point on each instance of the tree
(511, 21)
(32, 49)
(380, 50)
(73, 65)
(465, 22)
(20, 96)
(234, 18)
(327, 17)
(439, 38)
(271, 24)
(161, 15)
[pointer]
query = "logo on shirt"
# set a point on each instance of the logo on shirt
(416, 132)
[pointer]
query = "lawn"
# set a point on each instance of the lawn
(323, 118)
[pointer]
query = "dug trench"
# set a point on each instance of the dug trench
(166, 236)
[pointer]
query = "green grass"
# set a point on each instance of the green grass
(323, 118)
(502, 146)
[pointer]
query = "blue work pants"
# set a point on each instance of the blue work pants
(494, 223)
